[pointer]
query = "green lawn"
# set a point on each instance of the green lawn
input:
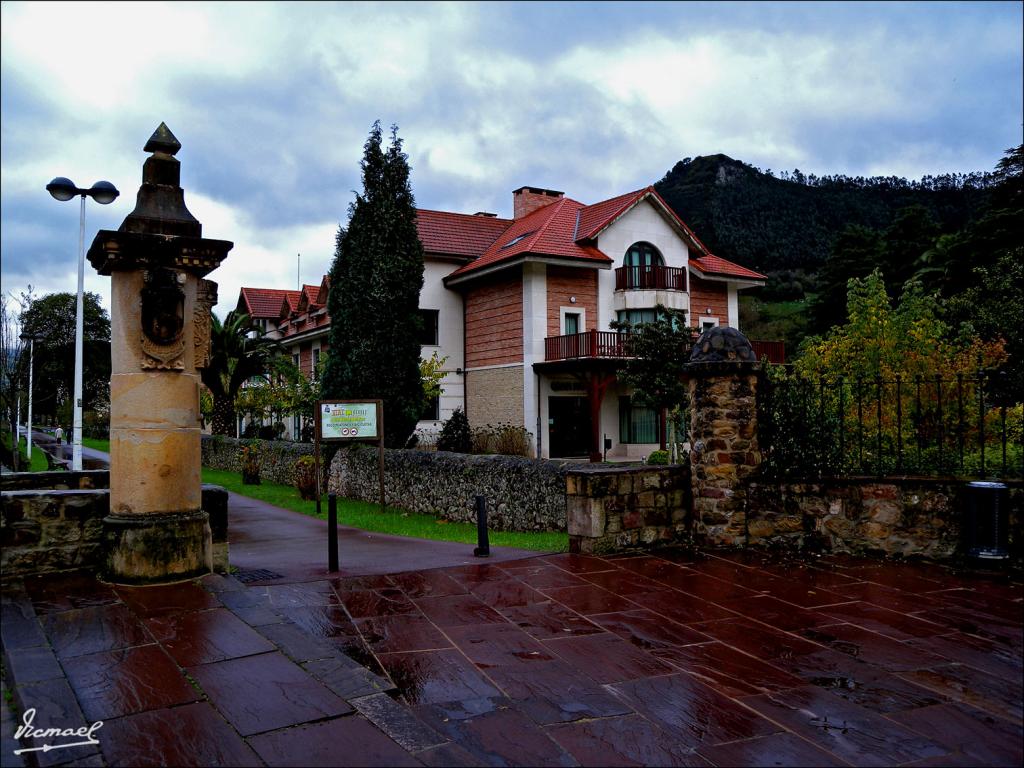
(96, 445)
(368, 517)
(38, 464)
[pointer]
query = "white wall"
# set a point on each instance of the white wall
(435, 295)
(643, 222)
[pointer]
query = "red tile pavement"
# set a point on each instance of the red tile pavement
(672, 658)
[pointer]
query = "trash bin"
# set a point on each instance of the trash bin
(986, 521)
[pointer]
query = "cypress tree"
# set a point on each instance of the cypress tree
(376, 279)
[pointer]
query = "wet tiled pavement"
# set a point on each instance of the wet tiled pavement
(666, 659)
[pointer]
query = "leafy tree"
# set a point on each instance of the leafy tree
(376, 279)
(907, 339)
(52, 317)
(855, 253)
(13, 377)
(235, 357)
(658, 353)
(913, 232)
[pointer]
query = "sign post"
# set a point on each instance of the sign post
(346, 421)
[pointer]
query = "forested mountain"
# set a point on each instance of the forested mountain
(790, 221)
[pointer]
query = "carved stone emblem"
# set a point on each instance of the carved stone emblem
(206, 297)
(163, 319)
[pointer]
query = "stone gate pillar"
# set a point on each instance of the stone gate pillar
(160, 336)
(723, 374)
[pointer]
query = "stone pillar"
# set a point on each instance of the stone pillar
(723, 375)
(157, 529)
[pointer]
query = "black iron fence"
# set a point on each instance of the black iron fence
(812, 427)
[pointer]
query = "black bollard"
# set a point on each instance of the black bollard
(332, 532)
(484, 548)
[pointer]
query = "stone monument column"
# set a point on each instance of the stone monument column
(160, 337)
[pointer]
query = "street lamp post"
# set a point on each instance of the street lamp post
(31, 339)
(104, 193)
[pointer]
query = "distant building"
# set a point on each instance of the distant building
(521, 308)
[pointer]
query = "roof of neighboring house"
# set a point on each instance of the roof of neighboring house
(308, 298)
(458, 234)
(260, 303)
(548, 231)
(715, 265)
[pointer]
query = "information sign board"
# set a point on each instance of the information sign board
(349, 420)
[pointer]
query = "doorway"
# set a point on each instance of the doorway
(568, 427)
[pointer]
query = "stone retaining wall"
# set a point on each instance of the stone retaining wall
(522, 494)
(612, 509)
(895, 516)
(53, 521)
(276, 463)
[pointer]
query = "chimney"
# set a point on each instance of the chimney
(526, 200)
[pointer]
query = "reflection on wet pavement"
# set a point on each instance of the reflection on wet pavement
(672, 658)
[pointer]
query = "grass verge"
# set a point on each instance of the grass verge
(96, 444)
(368, 517)
(38, 463)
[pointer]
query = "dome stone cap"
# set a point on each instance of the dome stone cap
(722, 345)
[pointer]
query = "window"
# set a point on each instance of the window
(636, 316)
(572, 323)
(643, 255)
(431, 409)
(428, 336)
(637, 424)
(295, 360)
(708, 322)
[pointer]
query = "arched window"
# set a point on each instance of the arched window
(642, 264)
(643, 254)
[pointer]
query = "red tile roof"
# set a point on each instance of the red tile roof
(458, 234)
(715, 265)
(594, 218)
(260, 303)
(548, 231)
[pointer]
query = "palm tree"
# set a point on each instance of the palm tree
(235, 357)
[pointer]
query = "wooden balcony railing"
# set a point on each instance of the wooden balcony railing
(650, 278)
(769, 351)
(588, 344)
(611, 344)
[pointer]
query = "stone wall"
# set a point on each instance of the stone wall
(53, 521)
(612, 509)
(895, 516)
(522, 494)
(276, 463)
(49, 530)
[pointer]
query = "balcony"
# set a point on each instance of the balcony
(591, 344)
(610, 345)
(650, 279)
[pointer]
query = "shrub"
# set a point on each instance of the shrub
(304, 470)
(455, 434)
(657, 457)
(250, 457)
(510, 440)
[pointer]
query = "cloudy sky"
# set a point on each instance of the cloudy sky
(272, 104)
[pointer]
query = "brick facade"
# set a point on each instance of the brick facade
(707, 293)
(494, 320)
(564, 282)
(526, 200)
